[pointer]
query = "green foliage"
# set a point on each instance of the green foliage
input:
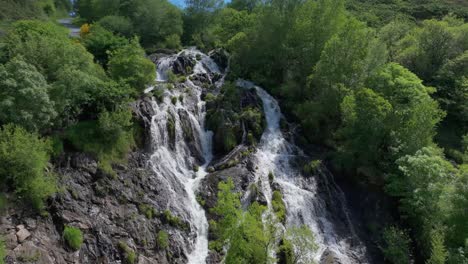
(65, 71)
(117, 25)
(11, 10)
(438, 251)
(147, 210)
(312, 167)
(20, 82)
(109, 138)
(23, 161)
(101, 42)
(303, 241)
(128, 254)
(278, 206)
(158, 23)
(163, 239)
(129, 64)
(73, 236)
(243, 230)
(396, 248)
(173, 220)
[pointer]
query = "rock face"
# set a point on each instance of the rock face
(108, 211)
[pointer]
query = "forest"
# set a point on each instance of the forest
(379, 86)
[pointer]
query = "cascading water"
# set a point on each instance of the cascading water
(304, 205)
(180, 143)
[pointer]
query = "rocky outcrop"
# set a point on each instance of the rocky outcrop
(108, 210)
(221, 57)
(183, 65)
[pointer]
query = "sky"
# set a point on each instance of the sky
(178, 2)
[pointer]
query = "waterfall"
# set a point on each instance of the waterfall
(301, 196)
(180, 143)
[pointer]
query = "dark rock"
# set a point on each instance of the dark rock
(329, 257)
(221, 57)
(183, 65)
(201, 79)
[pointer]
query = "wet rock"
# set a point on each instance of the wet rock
(183, 65)
(221, 57)
(329, 257)
(22, 233)
(201, 79)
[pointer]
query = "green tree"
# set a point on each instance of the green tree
(130, 65)
(415, 114)
(427, 48)
(365, 128)
(155, 21)
(24, 96)
(23, 161)
(243, 232)
(397, 243)
(303, 242)
(100, 42)
(424, 187)
(117, 25)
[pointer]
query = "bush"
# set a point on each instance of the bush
(172, 41)
(100, 42)
(147, 210)
(117, 24)
(396, 247)
(129, 254)
(23, 161)
(163, 239)
(73, 236)
(109, 138)
(129, 64)
(278, 206)
(171, 219)
(312, 167)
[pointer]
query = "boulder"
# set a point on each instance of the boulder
(22, 233)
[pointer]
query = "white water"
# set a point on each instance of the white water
(304, 206)
(175, 162)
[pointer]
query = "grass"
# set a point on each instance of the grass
(73, 236)
(163, 239)
(129, 254)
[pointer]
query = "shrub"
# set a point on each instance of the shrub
(23, 161)
(312, 166)
(129, 64)
(174, 100)
(117, 24)
(73, 236)
(101, 42)
(172, 41)
(109, 138)
(271, 177)
(278, 206)
(163, 239)
(171, 76)
(129, 254)
(147, 210)
(396, 247)
(171, 219)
